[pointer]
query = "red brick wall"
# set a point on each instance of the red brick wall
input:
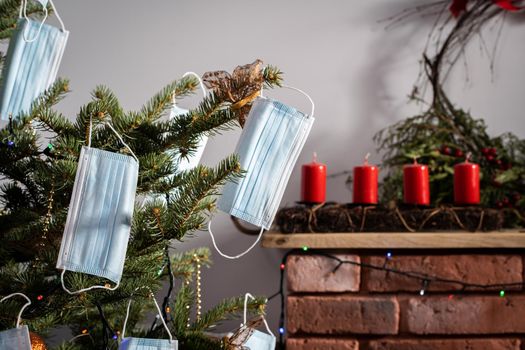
(360, 308)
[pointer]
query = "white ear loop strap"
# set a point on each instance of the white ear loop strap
(158, 309)
(201, 84)
(246, 296)
(23, 13)
(19, 318)
(203, 88)
(121, 140)
(115, 132)
(238, 255)
(58, 16)
(84, 289)
(300, 91)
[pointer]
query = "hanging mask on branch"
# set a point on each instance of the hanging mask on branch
(16, 338)
(99, 218)
(268, 148)
(131, 343)
(33, 58)
(247, 337)
(239, 88)
(193, 160)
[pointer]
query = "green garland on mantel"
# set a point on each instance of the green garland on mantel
(334, 217)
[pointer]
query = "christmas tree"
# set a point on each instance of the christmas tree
(38, 163)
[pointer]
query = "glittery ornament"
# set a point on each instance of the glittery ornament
(239, 88)
(37, 342)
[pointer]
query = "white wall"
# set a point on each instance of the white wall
(358, 73)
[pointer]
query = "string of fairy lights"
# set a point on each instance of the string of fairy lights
(424, 278)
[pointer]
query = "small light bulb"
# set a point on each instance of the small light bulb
(282, 266)
(425, 285)
(281, 330)
(502, 293)
(389, 255)
(305, 248)
(115, 336)
(40, 297)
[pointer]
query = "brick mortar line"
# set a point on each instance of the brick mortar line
(415, 274)
(415, 252)
(366, 337)
(457, 294)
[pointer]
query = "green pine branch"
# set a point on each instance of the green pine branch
(225, 310)
(195, 196)
(160, 103)
(272, 76)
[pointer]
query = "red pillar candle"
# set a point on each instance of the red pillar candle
(466, 182)
(313, 182)
(416, 185)
(365, 183)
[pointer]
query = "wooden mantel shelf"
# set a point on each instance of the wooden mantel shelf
(395, 240)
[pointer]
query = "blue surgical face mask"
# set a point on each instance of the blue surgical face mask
(147, 344)
(33, 58)
(181, 164)
(192, 160)
(270, 143)
(16, 338)
(131, 343)
(99, 217)
(257, 339)
(260, 341)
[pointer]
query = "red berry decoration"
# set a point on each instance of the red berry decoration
(499, 204)
(493, 151)
(498, 162)
(489, 157)
(446, 150)
(458, 153)
(505, 201)
(485, 151)
(506, 166)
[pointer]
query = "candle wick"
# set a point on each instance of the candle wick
(314, 157)
(366, 158)
(467, 158)
(415, 160)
